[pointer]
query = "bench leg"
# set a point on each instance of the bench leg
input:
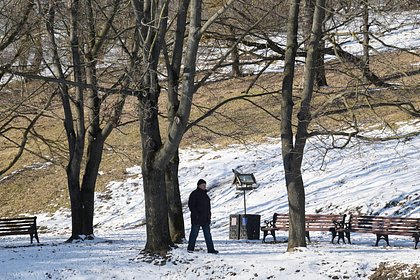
(307, 236)
(265, 235)
(272, 233)
(334, 234)
(416, 240)
(36, 237)
(32, 235)
(382, 236)
(341, 236)
(348, 237)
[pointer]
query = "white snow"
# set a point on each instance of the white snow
(380, 178)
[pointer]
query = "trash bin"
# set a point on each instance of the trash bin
(250, 226)
(234, 222)
(244, 226)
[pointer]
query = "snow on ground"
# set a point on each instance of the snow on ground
(380, 178)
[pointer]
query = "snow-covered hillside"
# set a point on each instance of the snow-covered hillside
(380, 178)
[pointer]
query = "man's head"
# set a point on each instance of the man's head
(201, 184)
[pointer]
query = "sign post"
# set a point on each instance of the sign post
(244, 226)
(244, 182)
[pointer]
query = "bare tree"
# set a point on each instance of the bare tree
(293, 143)
(76, 39)
(159, 157)
(79, 127)
(176, 224)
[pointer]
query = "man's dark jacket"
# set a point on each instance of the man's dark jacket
(199, 204)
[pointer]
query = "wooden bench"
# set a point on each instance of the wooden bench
(313, 222)
(382, 227)
(19, 226)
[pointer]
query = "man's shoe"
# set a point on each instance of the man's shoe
(190, 251)
(213, 252)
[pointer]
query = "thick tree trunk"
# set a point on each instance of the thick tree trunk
(96, 136)
(76, 132)
(292, 152)
(75, 203)
(157, 156)
(94, 157)
(75, 143)
(175, 214)
(73, 179)
(94, 148)
(157, 225)
(158, 239)
(296, 199)
(294, 189)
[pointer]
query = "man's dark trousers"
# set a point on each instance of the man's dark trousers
(207, 236)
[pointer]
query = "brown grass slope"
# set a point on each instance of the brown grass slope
(25, 189)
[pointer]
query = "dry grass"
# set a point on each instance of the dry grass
(400, 271)
(30, 190)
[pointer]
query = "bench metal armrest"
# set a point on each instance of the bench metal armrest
(340, 225)
(268, 224)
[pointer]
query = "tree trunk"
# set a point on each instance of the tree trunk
(304, 119)
(296, 200)
(96, 136)
(294, 190)
(75, 203)
(320, 74)
(82, 196)
(366, 68)
(309, 8)
(94, 157)
(75, 143)
(149, 42)
(76, 132)
(157, 226)
(292, 153)
(236, 70)
(158, 238)
(175, 214)
(157, 156)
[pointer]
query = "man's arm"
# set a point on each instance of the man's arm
(192, 203)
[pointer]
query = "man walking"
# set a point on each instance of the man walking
(199, 204)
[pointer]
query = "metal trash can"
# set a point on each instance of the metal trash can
(244, 226)
(234, 222)
(250, 227)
